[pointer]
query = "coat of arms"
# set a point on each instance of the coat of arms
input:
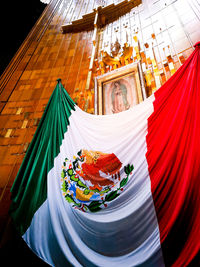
(92, 179)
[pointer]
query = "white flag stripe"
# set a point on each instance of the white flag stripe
(126, 232)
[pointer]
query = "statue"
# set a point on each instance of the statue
(115, 48)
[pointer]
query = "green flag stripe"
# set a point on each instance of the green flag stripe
(29, 190)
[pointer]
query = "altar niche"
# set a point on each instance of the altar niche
(96, 21)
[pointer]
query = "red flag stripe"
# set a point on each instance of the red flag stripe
(173, 156)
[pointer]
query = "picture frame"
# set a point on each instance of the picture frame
(119, 90)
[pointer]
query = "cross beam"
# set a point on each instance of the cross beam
(106, 15)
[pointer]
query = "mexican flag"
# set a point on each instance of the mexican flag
(115, 190)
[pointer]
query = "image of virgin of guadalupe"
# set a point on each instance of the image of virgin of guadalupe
(119, 97)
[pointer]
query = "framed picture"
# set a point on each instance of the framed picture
(118, 90)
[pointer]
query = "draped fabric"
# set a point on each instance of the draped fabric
(115, 190)
(29, 190)
(173, 153)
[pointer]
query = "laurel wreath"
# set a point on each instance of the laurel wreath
(95, 205)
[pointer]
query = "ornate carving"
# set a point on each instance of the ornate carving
(118, 57)
(110, 60)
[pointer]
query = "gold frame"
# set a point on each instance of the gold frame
(133, 68)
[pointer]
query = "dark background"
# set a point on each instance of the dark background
(16, 20)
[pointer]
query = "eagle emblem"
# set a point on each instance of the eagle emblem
(92, 179)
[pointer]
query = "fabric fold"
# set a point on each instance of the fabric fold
(115, 190)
